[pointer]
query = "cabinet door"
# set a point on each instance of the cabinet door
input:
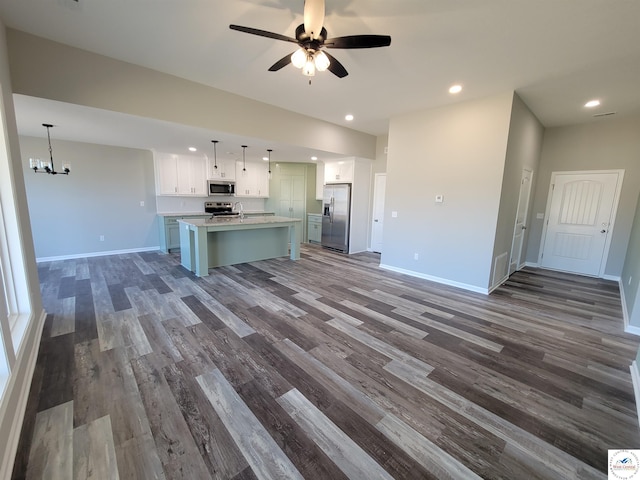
(314, 226)
(198, 176)
(226, 170)
(166, 174)
(254, 182)
(341, 171)
(173, 236)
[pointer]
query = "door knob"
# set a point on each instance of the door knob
(603, 231)
(376, 220)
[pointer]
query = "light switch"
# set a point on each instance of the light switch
(394, 214)
(439, 198)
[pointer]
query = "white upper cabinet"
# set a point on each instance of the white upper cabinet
(254, 182)
(226, 169)
(338, 171)
(182, 175)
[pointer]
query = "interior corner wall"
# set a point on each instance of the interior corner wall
(630, 279)
(458, 152)
(524, 147)
(602, 144)
(100, 197)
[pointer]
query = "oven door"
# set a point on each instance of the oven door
(222, 188)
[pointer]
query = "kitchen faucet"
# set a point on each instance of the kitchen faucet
(240, 210)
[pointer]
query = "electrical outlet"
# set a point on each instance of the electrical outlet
(416, 256)
(102, 238)
(142, 203)
(394, 214)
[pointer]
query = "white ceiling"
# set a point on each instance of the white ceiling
(557, 54)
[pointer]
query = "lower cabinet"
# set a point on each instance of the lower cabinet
(314, 228)
(170, 231)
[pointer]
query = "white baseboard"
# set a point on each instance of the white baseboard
(635, 379)
(443, 281)
(97, 254)
(615, 278)
(532, 264)
(17, 392)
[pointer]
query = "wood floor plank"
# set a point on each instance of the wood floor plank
(347, 455)
(94, 453)
(51, 453)
(264, 456)
(219, 453)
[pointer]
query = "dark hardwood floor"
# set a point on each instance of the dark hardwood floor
(328, 367)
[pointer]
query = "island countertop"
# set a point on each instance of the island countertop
(223, 222)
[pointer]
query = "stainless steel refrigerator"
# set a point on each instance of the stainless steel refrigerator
(336, 205)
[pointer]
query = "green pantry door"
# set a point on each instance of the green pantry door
(288, 193)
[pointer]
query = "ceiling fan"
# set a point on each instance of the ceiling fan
(312, 39)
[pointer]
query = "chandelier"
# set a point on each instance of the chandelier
(40, 166)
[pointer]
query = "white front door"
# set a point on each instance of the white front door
(580, 215)
(378, 211)
(517, 262)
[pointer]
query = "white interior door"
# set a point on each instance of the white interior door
(580, 218)
(517, 261)
(377, 227)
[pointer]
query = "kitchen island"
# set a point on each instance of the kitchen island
(220, 241)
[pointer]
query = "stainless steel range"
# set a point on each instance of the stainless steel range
(217, 209)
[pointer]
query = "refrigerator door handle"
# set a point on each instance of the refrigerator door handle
(333, 206)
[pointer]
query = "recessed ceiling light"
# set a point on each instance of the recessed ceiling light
(314, 158)
(455, 89)
(348, 117)
(266, 159)
(592, 103)
(193, 149)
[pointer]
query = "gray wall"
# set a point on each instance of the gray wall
(523, 151)
(605, 143)
(630, 281)
(84, 78)
(101, 196)
(459, 152)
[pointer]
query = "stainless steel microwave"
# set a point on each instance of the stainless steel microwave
(220, 187)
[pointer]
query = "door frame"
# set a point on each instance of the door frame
(614, 212)
(373, 205)
(520, 263)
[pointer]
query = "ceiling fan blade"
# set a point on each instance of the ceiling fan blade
(336, 67)
(313, 17)
(262, 33)
(358, 41)
(283, 62)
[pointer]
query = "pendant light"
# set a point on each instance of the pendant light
(49, 168)
(244, 161)
(215, 156)
(269, 150)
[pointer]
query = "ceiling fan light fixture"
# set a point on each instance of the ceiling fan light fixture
(321, 61)
(309, 68)
(299, 58)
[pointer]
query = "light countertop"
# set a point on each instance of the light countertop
(236, 221)
(202, 214)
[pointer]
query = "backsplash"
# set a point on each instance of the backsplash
(169, 204)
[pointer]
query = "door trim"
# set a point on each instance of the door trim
(614, 213)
